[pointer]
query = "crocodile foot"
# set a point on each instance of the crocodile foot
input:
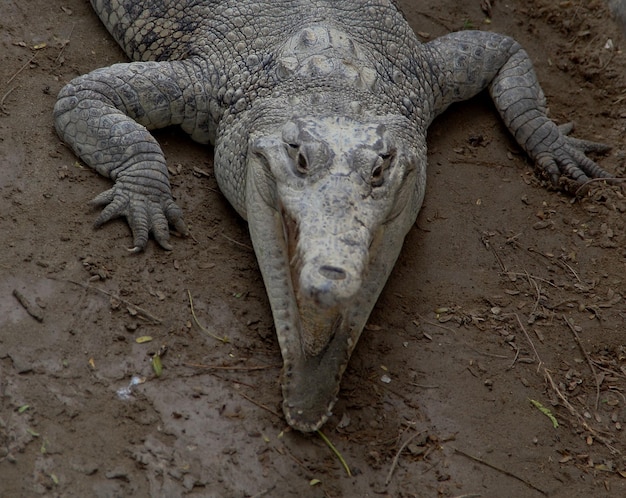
(146, 213)
(564, 161)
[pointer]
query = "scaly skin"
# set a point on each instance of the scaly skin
(318, 112)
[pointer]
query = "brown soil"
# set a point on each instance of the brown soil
(506, 292)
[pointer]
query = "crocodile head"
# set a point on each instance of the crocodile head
(329, 201)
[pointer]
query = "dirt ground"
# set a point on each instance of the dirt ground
(507, 294)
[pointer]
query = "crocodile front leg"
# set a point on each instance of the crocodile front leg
(105, 117)
(469, 61)
(516, 92)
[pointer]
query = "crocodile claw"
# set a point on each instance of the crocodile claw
(583, 145)
(565, 156)
(145, 214)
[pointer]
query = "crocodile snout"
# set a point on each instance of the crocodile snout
(333, 272)
(330, 285)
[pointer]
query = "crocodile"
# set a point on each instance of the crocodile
(318, 113)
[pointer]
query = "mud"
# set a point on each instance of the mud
(506, 292)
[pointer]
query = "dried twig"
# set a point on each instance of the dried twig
(558, 261)
(32, 309)
(534, 277)
(578, 416)
(65, 44)
(589, 362)
(423, 386)
(256, 403)
(491, 355)
(435, 324)
(609, 181)
(534, 284)
(529, 341)
(264, 492)
(488, 245)
(236, 242)
(224, 339)
(232, 368)
(517, 351)
(394, 463)
(4, 97)
(503, 471)
(21, 69)
(570, 269)
(142, 313)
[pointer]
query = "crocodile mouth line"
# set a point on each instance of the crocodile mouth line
(291, 233)
(312, 372)
(311, 384)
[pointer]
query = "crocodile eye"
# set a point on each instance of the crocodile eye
(296, 153)
(378, 172)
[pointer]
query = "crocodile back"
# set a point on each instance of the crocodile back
(154, 31)
(160, 30)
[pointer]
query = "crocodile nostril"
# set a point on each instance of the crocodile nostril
(333, 272)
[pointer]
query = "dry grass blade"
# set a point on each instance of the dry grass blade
(503, 471)
(589, 362)
(224, 339)
(578, 416)
(335, 451)
(545, 411)
(606, 441)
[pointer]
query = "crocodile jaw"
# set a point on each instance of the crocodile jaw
(325, 250)
(312, 368)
